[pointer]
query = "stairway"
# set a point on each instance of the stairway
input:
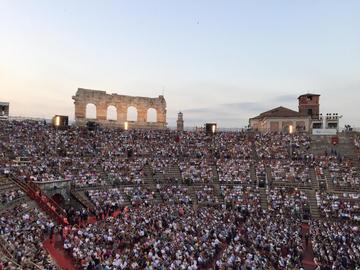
(254, 154)
(263, 198)
(174, 173)
(319, 144)
(148, 176)
(329, 182)
(3, 248)
(314, 209)
(82, 199)
(314, 180)
(6, 183)
(268, 175)
(150, 183)
(192, 195)
(159, 177)
(253, 177)
(216, 184)
(346, 146)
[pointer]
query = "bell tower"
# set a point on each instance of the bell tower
(309, 104)
(180, 122)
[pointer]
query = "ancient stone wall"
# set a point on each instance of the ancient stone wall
(56, 187)
(102, 101)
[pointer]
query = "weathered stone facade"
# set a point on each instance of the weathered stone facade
(61, 187)
(4, 109)
(102, 101)
(180, 122)
(279, 120)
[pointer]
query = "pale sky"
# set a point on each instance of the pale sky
(219, 61)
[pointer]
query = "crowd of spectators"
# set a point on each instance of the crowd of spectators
(139, 195)
(175, 194)
(264, 241)
(290, 171)
(241, 197)
(234, 171)
(344, 173)
(93, 158)
(206, 194)
(290, 202)
(260, 171)
(196, 171)
(336, 245)
(281, 146)
(151, 235)
(23, 229)
(125, 170)
(233, 145)
(8, 196)
(345, 206)
(112, 198)
(161, 165)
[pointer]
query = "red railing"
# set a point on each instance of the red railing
(46, 203)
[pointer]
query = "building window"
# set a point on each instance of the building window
(317, 125)
(332, 125)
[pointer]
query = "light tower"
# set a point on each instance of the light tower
(180, 122)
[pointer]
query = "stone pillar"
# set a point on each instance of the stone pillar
(142, 114)
(101, 111)
(80, 110)
(121, 112)
(161, 115)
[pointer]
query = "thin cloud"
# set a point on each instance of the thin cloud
(245, 106)
(198, 110)
(284, 99)
(228, 108)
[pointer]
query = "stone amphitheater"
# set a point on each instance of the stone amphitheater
(161, 199)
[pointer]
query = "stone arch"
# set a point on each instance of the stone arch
(111, 113)
(132, 113)
(138, 115)
(58, 198)
(151, 115)
(91, 111)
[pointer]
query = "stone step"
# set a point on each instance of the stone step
(263, 199)
(82, 199)
(314, 209)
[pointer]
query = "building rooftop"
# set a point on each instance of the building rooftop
(309, 95)
(278, 112)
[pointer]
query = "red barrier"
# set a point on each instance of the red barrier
(46, 203)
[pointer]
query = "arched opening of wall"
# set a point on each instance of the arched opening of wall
(111, 113)
(90, 111)
(132, 114)
(151, 115)
(59, 199)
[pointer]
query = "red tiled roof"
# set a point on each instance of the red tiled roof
(278, 112)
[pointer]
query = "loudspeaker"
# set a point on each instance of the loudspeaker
(210, 128)
(60, 121)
